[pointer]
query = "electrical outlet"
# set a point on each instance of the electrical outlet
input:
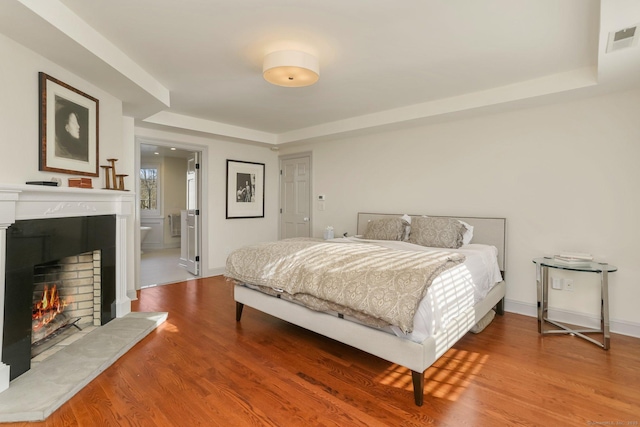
(568, 285)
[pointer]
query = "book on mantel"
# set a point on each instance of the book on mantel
(573, 259)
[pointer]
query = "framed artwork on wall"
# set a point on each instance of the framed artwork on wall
(68, 129)
(245, 189)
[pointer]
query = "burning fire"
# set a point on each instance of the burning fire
(45, 310)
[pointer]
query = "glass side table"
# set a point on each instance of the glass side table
(542, 280)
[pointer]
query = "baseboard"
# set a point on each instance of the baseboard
(580, 319)
(215, 271)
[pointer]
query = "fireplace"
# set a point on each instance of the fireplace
(34, 243)
(42, 227)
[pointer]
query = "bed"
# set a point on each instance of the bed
(412, 346)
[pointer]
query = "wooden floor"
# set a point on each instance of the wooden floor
(201, 368)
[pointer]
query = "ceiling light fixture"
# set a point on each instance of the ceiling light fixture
(290, 68)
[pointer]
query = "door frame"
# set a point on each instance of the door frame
(202, 197)
(308, 154)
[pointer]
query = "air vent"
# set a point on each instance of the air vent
(623, 39)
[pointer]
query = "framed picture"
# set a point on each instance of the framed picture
(68, 129)
(245, 189)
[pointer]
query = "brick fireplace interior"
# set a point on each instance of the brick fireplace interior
(43, 245)
(66, 297)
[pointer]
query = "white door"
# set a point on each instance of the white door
(191, 243)
(295, 198)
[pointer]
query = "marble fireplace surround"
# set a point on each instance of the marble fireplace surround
(23, 202)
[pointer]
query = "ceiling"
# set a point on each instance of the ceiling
(196, 65)
(150, 152)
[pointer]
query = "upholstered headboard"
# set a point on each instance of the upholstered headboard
(488, 231)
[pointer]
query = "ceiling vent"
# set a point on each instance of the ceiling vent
(623, 39)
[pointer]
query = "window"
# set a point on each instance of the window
(150, 193)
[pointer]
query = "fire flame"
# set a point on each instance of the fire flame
(45, 310)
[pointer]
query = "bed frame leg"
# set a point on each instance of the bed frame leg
(239, 307)
(418, 387)
(500, 307)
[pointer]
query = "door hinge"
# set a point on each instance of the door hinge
(197, 211)
(280, 171)
(197, 258)
(280, 210)
(197, 165)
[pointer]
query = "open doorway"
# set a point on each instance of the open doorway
(169, 197)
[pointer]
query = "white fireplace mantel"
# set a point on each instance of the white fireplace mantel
(22, 202)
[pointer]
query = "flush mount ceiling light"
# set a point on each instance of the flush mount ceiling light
(290, 68)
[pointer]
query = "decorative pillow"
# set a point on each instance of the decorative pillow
(437, 232)
(386, 229)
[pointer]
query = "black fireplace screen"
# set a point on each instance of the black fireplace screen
(35, 242)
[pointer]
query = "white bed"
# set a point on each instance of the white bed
(420, 349)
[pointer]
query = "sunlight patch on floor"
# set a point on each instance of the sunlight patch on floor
(446, 379)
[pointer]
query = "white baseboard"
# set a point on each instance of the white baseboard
(215, 272)
(580, 319)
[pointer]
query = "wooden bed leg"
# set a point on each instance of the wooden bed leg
(500, 307)
(418, 387)
(239, 307)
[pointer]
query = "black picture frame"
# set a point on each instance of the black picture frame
(68, 128)
(245, 189)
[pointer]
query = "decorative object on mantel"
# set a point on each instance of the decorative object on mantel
(113, 180)
(52, 183)
(80, 182)
(68, 129)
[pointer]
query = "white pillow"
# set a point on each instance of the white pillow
(407, 230)
(468, 233)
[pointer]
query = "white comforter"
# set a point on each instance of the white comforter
(454, 291)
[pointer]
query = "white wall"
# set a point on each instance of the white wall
(19, 121)
(565, 176)
(19, 106)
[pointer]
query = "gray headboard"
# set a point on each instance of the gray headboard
(488, 231)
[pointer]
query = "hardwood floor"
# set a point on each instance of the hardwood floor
(203, 368)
